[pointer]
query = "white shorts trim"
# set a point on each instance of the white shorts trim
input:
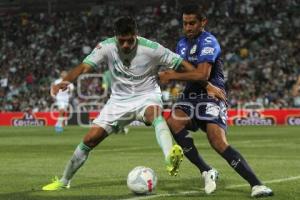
(119, 113)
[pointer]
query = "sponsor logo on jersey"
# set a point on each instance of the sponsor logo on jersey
(293, 120)
(193, 49)
(28, 119)
(207, 51)
(208, 40)
(182, 51)
(253, 118)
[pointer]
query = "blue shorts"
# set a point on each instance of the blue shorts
(203, 111)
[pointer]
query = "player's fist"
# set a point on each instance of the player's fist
(216, 92)
(60, 86)
(166, 76)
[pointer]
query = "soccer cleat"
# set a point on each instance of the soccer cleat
(59, 129)
(174, 159)
(210, 178)
(56, 185)
(261, 191)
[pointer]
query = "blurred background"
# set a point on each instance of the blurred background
(39, 39)
(260, 43)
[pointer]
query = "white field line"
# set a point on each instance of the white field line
(201, 190)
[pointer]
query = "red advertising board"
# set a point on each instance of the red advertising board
(28, 119)
(264, 117)
(235, 117)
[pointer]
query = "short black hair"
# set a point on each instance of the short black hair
(125, 25)
(194, 9)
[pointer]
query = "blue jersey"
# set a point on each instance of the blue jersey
(205, 48)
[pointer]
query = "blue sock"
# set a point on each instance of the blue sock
(240, 165)
(185, 140)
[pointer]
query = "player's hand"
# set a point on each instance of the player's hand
(216, 92)
(166, 76)
(60, 86)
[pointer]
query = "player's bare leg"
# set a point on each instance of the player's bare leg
(218, 141)
(173, 153)
(178, 123)
(95, 135)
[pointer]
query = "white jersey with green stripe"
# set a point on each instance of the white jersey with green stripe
(135, 73)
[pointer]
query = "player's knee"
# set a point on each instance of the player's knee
(90, 142)
(217, 141)
(151, 113)
(175, 125)
(92, 139)
(94, 136)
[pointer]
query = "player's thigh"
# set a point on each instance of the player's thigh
(149, 107)
(211, 117)
(178, 120)
(217, 137)
(95, 135)
(114, 115)
(208, 110)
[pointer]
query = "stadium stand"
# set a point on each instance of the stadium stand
(260, 42)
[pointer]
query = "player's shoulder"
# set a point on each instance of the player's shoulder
(182, 41)
(146, 43)
(106, 45)
(107, 42)
(207, 38)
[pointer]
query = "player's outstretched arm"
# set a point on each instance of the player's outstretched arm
(71, 76)
(186, 66)
(79, 69)
(201, 74)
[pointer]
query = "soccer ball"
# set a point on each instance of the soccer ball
(141, 180)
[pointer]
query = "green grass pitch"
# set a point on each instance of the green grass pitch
(30, 157)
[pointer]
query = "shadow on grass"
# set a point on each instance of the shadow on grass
(82, 191)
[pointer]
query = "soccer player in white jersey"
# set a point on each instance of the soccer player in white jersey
(62, 99)
(134, 62)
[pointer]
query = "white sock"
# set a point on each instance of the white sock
(163, 135)
(80, 155)
(60, 121)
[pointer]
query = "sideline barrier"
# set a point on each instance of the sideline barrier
(242, 117)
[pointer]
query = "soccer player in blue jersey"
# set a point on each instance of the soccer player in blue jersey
(196, 109)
